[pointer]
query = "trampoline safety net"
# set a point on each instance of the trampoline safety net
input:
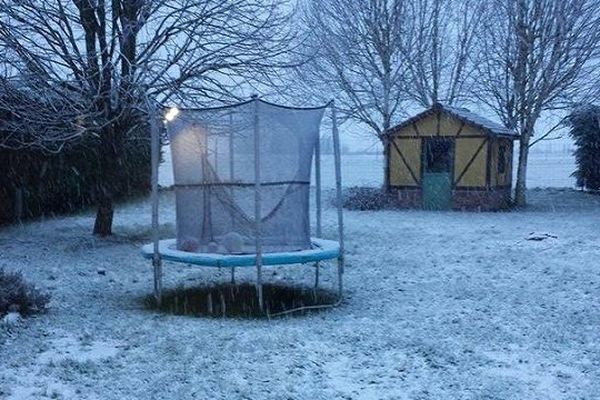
(219, 155)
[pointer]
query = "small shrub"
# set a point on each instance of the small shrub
(18, 295)
(367, 198)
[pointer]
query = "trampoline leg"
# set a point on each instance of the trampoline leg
(340, 274)
(317, 268)
(156, 263)
(259, 291)
(233, 275)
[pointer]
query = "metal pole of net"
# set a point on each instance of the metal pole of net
(155, 159)
(318, 201)
(338, 192)
(231, 178)
(257, 205)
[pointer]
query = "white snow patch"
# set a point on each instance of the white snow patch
(36, 383)
(543, 377)
(33, 386)
(79, 349)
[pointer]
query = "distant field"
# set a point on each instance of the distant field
(551, 169)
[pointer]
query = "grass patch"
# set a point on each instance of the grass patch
(228, 300)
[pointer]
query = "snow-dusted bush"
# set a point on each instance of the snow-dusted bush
(17, 295)
(367, 198)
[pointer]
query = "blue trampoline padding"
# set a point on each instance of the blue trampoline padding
(321, 250)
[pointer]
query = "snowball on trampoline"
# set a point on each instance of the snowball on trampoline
(233, 242)
(190, 245)
(213, 247)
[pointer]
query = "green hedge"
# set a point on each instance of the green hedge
(65, 182)
(585, 131)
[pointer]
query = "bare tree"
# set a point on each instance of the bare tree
(36, 120)
(382, 57)
(102, 58)
(442, 34)
(535, 56)
(358, 57)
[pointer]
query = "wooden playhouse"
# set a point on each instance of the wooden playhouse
(450, 158)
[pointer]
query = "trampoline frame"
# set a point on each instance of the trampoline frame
(322, 249)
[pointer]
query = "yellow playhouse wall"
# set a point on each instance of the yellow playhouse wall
(469, 140)
(465, 149)
(448, 126)
(406, 131)
(399, 173)
(509, 164)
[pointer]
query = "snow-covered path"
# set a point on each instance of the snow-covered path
(438, 306)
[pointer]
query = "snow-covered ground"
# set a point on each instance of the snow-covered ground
(439, 305)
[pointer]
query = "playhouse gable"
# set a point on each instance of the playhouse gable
(447, 157)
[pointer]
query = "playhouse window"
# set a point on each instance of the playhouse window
(438, 155)
(502, 159)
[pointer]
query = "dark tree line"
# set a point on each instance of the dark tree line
(101, 61)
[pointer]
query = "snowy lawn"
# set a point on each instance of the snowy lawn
(438, 306)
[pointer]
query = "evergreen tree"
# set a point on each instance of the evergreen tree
(585, 131)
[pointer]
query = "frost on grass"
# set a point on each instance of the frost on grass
(61, 371)
(445, 305)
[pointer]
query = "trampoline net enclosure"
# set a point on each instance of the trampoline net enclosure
(220, 155)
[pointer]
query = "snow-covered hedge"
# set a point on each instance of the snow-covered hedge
(20, 296)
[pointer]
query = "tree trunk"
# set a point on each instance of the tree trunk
(108, 176)
(18, 180)
(521, 187)
(19, 203)
(104, 216)
(386, 163)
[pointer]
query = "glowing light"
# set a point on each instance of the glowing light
(172, 114)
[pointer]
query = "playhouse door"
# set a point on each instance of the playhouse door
(437, 173)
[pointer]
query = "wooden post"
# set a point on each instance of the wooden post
(338, 190)
(257, 205)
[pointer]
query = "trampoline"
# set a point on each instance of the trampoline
(242, 182)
